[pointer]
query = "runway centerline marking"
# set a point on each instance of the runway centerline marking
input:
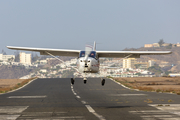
(27, 96)
(90, 109)
(78, 96)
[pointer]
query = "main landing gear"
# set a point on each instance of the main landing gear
(102, 82)
(72, 81)
(85, 81)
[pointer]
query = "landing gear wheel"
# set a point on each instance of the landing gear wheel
(72, 81)
(85, 80)
(103, 82)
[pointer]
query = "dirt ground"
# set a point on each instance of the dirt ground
(163, 84)
(9, 82)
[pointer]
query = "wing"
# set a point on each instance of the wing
(133, 54)
(43, 51)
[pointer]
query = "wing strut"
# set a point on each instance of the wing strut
(126, 56)
(60, 60)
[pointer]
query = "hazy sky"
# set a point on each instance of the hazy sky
(70, 24)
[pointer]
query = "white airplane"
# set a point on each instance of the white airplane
(88, 60)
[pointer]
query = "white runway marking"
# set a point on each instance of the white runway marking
(11, 112)
(164, 112)
(127, 94)
(84, 102)
(48, 116)
(12, 109)
(78, 96)
(9, 117)
(171, 108)
(90, 109)
(27, 96)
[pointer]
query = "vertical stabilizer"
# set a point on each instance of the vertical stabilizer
(94, 48)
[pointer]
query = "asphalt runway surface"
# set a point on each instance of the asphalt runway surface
(57, 99)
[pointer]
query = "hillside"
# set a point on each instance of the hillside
(172, 59)
(13, 72)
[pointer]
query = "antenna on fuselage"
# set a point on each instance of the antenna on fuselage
(94, 48)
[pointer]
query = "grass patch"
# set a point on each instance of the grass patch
(7, 89)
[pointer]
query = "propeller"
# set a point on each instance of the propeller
(88, 50)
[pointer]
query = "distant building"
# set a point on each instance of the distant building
(25, 58)
(43, 70)
(151, 63)
(151, 45)
(156, 45)
(164, 64)
(43, 61)
(148, 45)
(7, 57)
(129, 62)
(178, 45)
(166, 44)
(143, 65)
(174, 74)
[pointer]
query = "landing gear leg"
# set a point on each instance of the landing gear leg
(85, 80)
(102, 82)
(72, 81)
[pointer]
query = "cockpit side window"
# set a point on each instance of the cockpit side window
(92, 54)
(82, 54)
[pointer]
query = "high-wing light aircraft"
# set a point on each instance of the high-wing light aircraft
(88, 60)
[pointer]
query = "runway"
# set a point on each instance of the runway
(57, 99)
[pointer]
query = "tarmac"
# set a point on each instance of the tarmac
(57, 99)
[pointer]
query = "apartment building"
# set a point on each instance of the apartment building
(25, 58)
(132, 62)
(7, 57)
(152, 45)
(129, 62)
(148, 45)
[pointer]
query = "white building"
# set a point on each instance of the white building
(43, 70)
(129, 62)
(7, 57)
(151, 63)
(25, 58)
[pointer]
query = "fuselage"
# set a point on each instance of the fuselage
(89, 63)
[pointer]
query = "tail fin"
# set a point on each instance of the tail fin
(94, 48)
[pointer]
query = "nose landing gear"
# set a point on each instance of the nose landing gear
(85, 80)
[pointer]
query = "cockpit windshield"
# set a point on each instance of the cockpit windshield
(92, 54)
(82, 54)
